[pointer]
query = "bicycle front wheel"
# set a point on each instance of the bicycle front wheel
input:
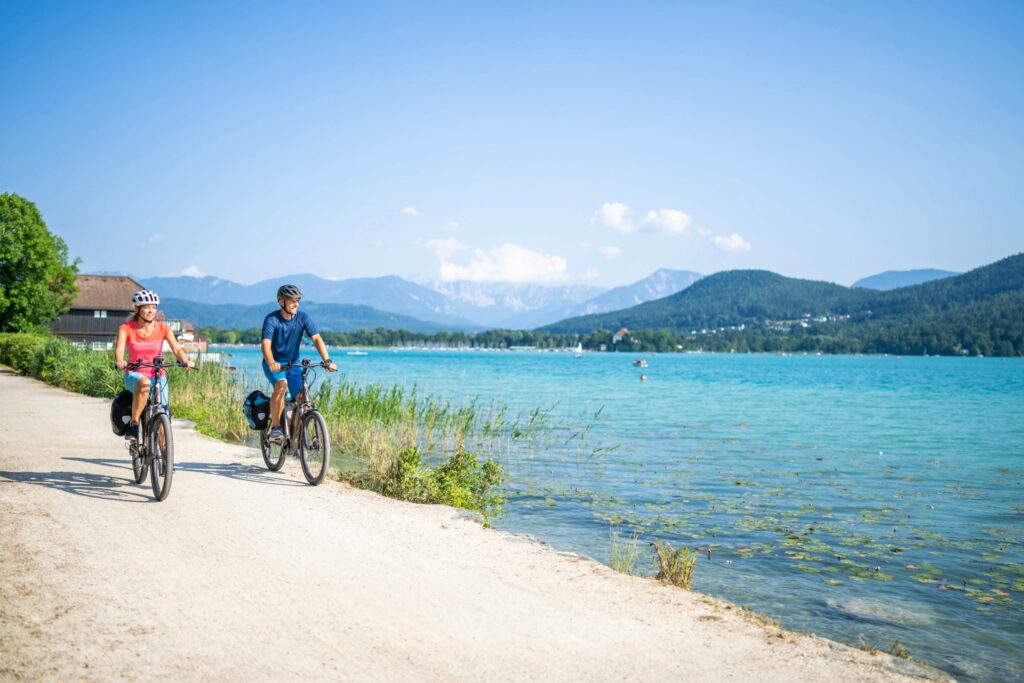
(139, 467)
(314, 447)
(273, 453)
(161, 447)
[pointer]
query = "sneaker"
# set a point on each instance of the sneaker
(276, 435)
(132, 432)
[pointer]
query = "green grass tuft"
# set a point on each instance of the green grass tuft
(674, 566)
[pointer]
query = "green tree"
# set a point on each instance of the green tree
(37, 283)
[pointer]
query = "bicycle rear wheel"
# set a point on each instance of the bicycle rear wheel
(161, 448)
(314, 447)
(273, 453)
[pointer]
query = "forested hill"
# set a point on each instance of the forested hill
(751, 297)
(972, 288)
(729, 298)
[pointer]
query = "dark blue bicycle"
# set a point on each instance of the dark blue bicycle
(153, 451)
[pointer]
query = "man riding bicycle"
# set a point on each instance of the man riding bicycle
(281, 339)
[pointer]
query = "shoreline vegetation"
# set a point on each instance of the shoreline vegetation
(799, 337)
(385, 439)
(389, 440)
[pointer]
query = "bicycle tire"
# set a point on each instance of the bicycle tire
(162, 459)
(139, 467)
(314, 447)
(273, 453)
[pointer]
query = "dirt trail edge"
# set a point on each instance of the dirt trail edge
(245, 574)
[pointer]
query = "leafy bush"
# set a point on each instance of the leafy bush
(58, 362)
(18, 350)
(460, 481)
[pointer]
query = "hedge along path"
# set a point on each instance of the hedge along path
(243, 574)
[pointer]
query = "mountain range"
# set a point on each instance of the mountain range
(328, 317)
(758, 297)
(894, 279)
(672, 299)
(455, 305)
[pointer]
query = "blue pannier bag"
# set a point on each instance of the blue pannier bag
(256, 408)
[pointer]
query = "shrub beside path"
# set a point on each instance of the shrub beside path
(244, 574)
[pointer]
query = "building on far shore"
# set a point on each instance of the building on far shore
(185, 333)
(103, 303)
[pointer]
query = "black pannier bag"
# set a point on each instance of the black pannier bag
(256, 408)
(121, 412)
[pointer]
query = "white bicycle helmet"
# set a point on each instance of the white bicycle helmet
(145, 296)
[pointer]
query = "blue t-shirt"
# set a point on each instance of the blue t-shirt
(286, 335)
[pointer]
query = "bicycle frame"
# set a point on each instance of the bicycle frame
(298, 410)
(154, 406)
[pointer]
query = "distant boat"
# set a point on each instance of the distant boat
(579, 350)
(640, 363)
(356, 353)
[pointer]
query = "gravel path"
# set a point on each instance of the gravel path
(245, 574)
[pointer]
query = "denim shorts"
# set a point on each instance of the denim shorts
(294, 377)
(131, 383)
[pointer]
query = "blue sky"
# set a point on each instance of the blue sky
(550, 142)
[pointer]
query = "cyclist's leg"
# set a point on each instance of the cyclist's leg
(139, 385)
(280, 384)
(277, 402)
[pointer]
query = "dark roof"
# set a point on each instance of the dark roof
(111, 292)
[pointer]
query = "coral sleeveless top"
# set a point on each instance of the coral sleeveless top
(145, 349)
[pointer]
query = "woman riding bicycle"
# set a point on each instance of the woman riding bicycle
(144, 336)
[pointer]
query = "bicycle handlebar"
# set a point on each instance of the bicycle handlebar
(139, 364)
(303, 364)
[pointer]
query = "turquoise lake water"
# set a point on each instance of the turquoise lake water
(862, 498)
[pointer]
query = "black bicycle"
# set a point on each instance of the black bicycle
(305, 432)
(153, 451)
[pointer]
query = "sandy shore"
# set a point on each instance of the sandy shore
(245, 574)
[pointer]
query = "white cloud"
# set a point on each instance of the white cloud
(156, 237)
(610, 252)
(613, 214)
(444, 248)
(733, 243)
(410, 211)
(452, 225)
(507, 263)
(668, 221)
(193, 271)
